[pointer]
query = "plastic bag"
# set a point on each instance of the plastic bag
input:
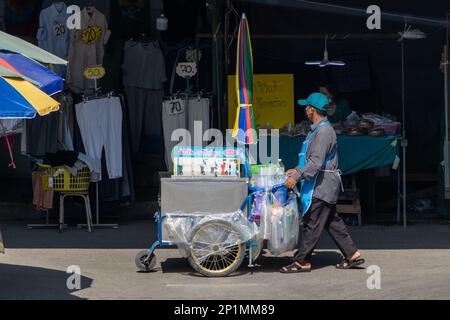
(352, 120)
(262, 206)
(223, 230)
(281, 227)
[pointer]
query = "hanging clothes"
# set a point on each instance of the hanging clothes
(144, 65)
(42, 135)
(144, 74)
(65, 122)
(100, 123)
(174, 116)
(144, 112)
(42, 199)
(198, 111)
(53, 34)
(189, 112)
(87, 48)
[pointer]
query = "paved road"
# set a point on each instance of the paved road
(414, 264)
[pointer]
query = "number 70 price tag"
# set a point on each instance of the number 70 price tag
(187, 70)
(174, 106)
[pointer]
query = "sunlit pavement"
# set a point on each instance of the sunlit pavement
(413, 264)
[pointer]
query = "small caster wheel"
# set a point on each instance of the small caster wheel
(145, 263)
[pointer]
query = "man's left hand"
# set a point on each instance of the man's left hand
(290, 183)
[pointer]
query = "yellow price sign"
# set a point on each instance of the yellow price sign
(94, 73)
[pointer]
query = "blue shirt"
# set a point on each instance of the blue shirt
(53, 35)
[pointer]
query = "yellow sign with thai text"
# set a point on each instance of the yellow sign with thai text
(273, 100)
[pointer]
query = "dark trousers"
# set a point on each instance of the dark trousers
(320, 216)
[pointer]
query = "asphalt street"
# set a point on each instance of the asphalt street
(412, 264)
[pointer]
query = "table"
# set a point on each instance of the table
(355, 153)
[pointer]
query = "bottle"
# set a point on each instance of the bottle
(281, 167)
(280, 172)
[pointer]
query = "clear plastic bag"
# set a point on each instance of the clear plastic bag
(280, 226)
(262, 206)
(352, 120)
(220, 231)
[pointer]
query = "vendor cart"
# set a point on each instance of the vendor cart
(215, 224)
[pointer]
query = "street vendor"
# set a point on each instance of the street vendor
(321, 184)
(338, 109)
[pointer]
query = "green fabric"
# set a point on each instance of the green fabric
(342, 111)
(14, 44)
(355, 153)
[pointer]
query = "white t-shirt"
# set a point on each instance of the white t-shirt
(87, 48)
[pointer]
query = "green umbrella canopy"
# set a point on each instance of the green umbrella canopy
(14, 44)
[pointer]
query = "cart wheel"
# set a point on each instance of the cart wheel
(145, 263)
(216, 249)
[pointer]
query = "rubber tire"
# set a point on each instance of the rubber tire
(140, 264)
(226, 273)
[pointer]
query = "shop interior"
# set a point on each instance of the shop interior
(135, 150)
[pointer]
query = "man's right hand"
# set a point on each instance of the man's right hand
(291, 173)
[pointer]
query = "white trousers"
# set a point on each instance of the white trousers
(194, 110)
(100, 123)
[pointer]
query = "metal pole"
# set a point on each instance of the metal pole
(404, 140)
(446, 119)
(217, 54)
(399, 196)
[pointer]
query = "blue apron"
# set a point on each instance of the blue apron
(308, 186)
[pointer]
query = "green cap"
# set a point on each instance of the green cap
(316, 100)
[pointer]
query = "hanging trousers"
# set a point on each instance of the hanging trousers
(320, 216)
(100, 123)
(144, 113)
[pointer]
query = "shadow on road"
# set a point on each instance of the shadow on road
(141, 234)
(26, 283)
(322, 259)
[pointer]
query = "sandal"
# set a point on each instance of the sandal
(347, 264)
(294, 268)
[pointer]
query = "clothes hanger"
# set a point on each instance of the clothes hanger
(90, 9)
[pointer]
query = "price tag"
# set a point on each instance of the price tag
(187, 69)
(94, 73)
(174, 107)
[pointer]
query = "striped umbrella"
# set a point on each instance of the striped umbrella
(32, 71)
(19, 99)
(22, 100)
(245, 125)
